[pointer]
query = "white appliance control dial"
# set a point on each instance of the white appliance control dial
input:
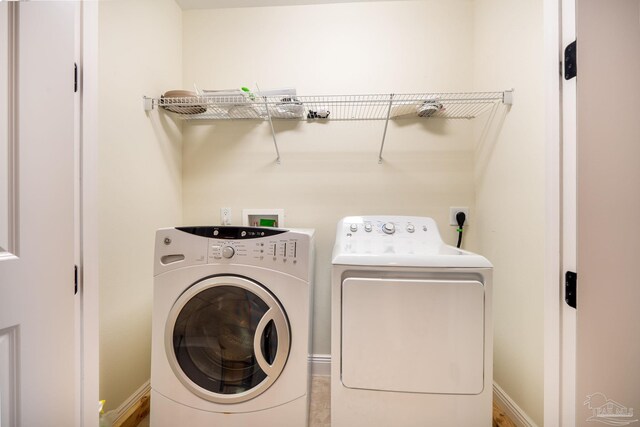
(368, 227)
(353, 227)
(389, 228)
(410, 228)
(228, 252)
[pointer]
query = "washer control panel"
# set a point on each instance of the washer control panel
(284, 249)
(287, 251)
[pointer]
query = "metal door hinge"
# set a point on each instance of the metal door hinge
(75, 77)
(570, 65)
(570, 288)
(75, 279)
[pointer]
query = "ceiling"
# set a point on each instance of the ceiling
(223, 4)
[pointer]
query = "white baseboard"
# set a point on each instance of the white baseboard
(510, 408)
(131, 401)
(321, 365)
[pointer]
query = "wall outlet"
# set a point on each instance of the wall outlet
(452, 215)
(225, 216)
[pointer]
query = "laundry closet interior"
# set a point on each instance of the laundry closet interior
(157, 170)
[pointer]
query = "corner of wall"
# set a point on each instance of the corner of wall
(140, 179)
(510, 194)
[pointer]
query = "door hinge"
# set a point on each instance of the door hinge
(75, 77)
(570, 58)
(75, 279)
(570, 288)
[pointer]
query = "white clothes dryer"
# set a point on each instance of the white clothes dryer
(231, 329)
(411, 337)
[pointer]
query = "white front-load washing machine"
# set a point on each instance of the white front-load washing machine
(411, 334)
(231, 327)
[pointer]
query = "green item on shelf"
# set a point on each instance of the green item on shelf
(248, 92)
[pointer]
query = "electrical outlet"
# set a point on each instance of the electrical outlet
(452, 215)
(225, 216)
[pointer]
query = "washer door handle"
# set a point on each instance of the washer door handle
(282, 350)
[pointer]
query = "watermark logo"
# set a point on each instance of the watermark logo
(608, 411)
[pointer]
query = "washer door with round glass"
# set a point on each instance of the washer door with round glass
(227, 339)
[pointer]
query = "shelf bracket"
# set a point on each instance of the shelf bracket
(386, 124)
(147, 103)
(507, 97)
(273, 132)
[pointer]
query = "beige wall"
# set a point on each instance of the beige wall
(510, 197)
(330, 170)
(148, 179)
(139, 179)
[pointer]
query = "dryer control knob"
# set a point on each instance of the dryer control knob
(389, 228)
(410, 228)
(228, 252)
(353, 227)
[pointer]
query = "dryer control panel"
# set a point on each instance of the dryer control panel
(417, 228)
(397, 240)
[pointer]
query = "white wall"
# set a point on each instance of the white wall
(510, 183)
(330, 170)
(139, 179)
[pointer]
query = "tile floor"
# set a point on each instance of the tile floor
(320, 411)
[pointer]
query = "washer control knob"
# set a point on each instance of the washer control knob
(367, 227)
(353, 227)
(389, 228)
(228, 252)
(410, 228)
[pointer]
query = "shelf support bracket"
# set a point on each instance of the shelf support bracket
(147, 103)
(507, 97)
(386, 124)
(273, 132)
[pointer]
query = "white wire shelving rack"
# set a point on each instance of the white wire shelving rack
(434, 105)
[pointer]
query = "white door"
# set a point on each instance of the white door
(37, 383)
(608, 213)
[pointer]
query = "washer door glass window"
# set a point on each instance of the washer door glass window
(228, 339)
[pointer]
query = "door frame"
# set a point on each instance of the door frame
(567, 326)
(88, 329)
(556, 384)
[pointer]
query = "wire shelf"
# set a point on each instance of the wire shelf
(465, 105)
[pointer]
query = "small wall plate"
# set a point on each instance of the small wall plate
(263, 217)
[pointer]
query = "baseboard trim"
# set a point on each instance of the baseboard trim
(510, 408)
(135, 408)
(321, 365)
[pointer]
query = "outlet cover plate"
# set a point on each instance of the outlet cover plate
(452, 215)
(225, 216)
